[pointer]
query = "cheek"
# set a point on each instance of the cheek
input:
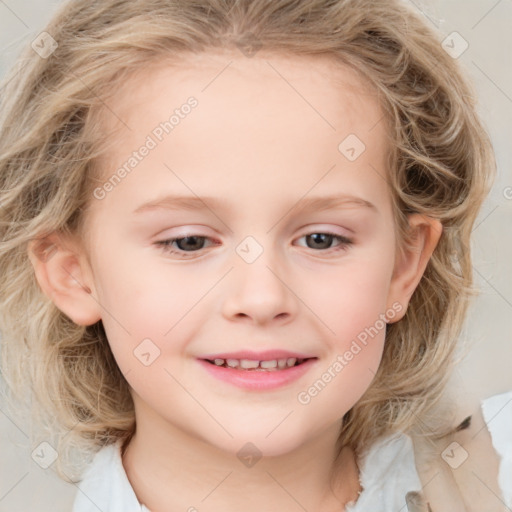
(351, 302)
(143, 310)
(351, 298)
(141, 292)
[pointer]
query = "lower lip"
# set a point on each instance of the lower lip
(258, 380)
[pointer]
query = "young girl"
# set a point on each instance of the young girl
(327, 160)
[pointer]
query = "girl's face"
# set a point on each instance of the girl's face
(244, 155)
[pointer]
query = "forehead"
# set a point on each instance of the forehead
(225, 72)
(270, 122)
(327, 93)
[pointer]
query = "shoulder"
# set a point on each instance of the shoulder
(105, 486)
(391, 457)
(497, 413)
(470, 469)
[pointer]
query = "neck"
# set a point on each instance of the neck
(170, 469)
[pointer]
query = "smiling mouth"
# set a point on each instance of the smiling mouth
(259, 366)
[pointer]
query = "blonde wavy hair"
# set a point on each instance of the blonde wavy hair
(441, 164)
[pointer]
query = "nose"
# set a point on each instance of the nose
(260, 292)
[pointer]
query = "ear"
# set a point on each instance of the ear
(64, 276)
(410, 263)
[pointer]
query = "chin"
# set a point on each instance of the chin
(257, 445)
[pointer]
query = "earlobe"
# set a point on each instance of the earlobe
(411, 262)
(63, 276)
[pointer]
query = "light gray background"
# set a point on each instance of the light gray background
(487, 26)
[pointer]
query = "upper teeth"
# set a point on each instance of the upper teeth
(247, 363)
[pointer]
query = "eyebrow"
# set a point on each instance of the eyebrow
(195, 203)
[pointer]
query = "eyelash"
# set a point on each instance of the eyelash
(165, 245)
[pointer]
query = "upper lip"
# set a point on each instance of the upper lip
(266, 355)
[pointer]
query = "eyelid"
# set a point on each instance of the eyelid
(323, 228)
(307, 230)
(344, 234)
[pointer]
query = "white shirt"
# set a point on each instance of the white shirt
(387, 471)
(105, 486)
(497, 413)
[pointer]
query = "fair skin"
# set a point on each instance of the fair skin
(255, 145)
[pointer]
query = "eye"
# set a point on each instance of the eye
(322, 240)
(193, 243)
(187, 244)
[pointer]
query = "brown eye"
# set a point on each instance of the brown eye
(190, 243)
(183, 245)
(323, 241)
